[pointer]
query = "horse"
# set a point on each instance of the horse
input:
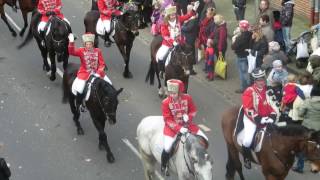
(102, 105)
(26, 6)
(178, 68)
(279, 147)
(126, 29)
(190, 160)
(55, 42)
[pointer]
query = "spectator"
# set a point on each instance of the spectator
(286, 16)
(189, 32)
(266, 27)
(264, 9)
(306, 84)
(310, 110)
(5, 172)
(239, 7)
(277, 28)
(315, 65)
(240, 44)
(274, 54)
(258, 45)
(209, 64)
(208, 4)
(220, 36)
(278, 75)
(155, 27)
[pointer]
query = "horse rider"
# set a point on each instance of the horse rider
(92, 63)
(257, 111)
(171, 31)
(48, 8)
(178, 110)
(107, 9)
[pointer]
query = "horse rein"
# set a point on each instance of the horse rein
(100, 104)
(185, 159)
(52, 38)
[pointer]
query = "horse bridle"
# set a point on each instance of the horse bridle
(121, 25)
(101, 105)
(184, 55)
(58, 41)
(190, 169)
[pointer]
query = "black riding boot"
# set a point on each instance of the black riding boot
(164, 162)
(246, 152)
(161, 68)
(107, 41)
(79, 99)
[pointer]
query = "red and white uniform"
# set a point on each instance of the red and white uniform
(171, 32)
(45, 6)
(172, 112)
(106, 9)
(255, 104)
(92, 62)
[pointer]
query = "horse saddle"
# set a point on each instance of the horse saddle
(257, 138)
(87, 87)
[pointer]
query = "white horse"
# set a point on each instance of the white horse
(191, 160)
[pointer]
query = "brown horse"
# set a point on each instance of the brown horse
(178, 68)
(26, 6)
(279, 147)
(126, 29)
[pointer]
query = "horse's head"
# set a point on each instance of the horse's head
(313, 150)
(58, 34)
(183, 56)
(200, 162)
(130, 17)
(108, 99)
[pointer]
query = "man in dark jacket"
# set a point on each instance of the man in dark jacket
(286, 17)
(240, 46)
(239, 7)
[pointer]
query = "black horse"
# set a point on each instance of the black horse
(55, 42)
(126, 29)
(178, 68)
(102, 105)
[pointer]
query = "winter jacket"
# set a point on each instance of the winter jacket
(242, 43)
(206, 30)
(268, 32)
(277, 77)
(205, 7)
(310, 110)
(265, 12)
(286, 14)
(189, 31)
(272, 56)
(220, 37)
(239, 3)
(259, 48)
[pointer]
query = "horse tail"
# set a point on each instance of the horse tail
(34, 20)
(151, 72)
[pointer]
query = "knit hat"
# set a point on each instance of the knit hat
(88, 37)
(175, 85)
(170, 10)
(274, 46)
(244, 24)
(218, 19)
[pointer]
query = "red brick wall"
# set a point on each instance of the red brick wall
(301, 7)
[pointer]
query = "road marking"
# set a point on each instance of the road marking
(60, 73)
(135, 151)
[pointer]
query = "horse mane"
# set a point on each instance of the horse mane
(291, 130)
(106, 87)
(199, 146)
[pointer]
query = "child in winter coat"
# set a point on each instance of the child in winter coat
(290, 93)
(209, 66)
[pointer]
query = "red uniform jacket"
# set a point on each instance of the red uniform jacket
(91, 61)
(165, 29)
(107, 8)
(255, 103)
(172, 114)
(45, 6)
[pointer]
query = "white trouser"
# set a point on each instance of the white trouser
(249, 130)
(162, 51)
(103, 26)
(168, 141)
(79, 84)
(42, 24)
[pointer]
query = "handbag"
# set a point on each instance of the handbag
(251, 62)
(302, 49)
(221, 67)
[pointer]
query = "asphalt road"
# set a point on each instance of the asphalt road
(37, 134)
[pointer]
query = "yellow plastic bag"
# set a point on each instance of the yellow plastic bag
(221, 68)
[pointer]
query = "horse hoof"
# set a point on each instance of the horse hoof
(80, 131)
(52, 78)
(110, 158)
(127, 75)
(14, 34)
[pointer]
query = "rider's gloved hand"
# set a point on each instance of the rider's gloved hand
(183, 130)
(185, 117)
(71, 37)
(195, 6)
(266, 120)
(50, 13)
(175, 43)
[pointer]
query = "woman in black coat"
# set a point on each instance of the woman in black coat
(258, 45)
